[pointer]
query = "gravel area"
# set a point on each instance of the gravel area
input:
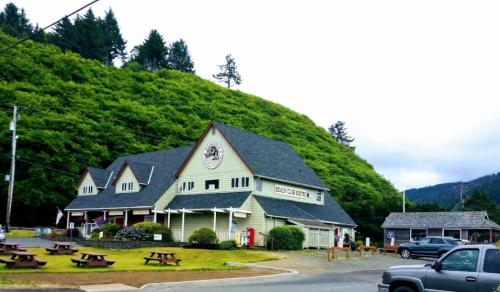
(315, 262)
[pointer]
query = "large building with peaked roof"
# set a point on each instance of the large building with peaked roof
(229, 181)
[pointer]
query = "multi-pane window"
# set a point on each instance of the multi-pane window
(237, 183)
(88, 190)
(150, 218)
(319, 196)
(186, 186)
(212, 184)
(127, 186)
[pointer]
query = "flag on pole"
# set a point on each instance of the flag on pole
(59, 216)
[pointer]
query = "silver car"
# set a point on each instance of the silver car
(2, 236)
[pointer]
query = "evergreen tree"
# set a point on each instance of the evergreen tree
(481, 201)
(14, 22)
(338, 133)
(65, 36)
(91, 41)
(114, 43)
(228, 72)
(179, 58)
(152, 54)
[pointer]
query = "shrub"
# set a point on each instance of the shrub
(358, 243)
(203, 236)
(131, 234)
(148, 227)
(166, 234)
(287, 238)
(228, 245)
(73, 232)
(110, 229)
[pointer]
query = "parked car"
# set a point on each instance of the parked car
(466, 268)
(430, 246)
(2, 236)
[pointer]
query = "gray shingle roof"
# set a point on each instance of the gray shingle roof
(100, 176)
(269, 157)
(469, 220)
(330, 212)
(141, 170)
(208, 201)
(166, 163)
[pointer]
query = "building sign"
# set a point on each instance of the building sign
(76, 213)
(240, 215)
(141, 212)
(289, 191)
(115, 213)
(157, 237)
(212, 155)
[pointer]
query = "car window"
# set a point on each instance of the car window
(492, 261)
(461, 260)
(437, 241)
(424, 240)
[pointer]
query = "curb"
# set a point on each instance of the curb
(286, 273)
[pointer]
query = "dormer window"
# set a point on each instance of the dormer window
(127, 186)
(88, 190)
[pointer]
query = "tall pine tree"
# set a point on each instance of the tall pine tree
(152, 54)
(14, 22)
(338, 132)
(179, 57)
(113, 40)
(65, 36)
(228, 72)
(91, 41)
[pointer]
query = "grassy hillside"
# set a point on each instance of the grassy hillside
(77, 113)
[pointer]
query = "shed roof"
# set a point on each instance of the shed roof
(469, 220)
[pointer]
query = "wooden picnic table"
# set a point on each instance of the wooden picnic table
(61, 248)
(92, 259)
(8, 247)
(163, 257)
(23, 259)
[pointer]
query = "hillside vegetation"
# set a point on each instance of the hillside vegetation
(77, 113)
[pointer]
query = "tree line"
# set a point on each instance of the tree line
(101, 39)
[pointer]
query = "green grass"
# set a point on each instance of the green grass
(20, 233)
(132, 260)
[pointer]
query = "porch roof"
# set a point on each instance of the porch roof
(329, 212)
(208, 201)
(310, 223)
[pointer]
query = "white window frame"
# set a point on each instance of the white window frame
(259, 185)
(127, 186)
(149, 218)
(319, 196)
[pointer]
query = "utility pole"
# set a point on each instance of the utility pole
(12, 169)
(462, 188)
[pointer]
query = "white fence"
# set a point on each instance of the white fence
(221, 235)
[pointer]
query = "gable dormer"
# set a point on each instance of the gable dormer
(93, 180)
(132, 177)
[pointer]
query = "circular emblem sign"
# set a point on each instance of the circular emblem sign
(212, 155)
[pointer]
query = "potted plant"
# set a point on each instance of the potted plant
(353, 245)
(346, 240)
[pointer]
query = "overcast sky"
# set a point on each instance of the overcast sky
(416, 82)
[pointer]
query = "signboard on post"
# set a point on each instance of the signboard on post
(157, 237)
(367, 241)
(71, 225)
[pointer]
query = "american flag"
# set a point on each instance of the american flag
(59, 216)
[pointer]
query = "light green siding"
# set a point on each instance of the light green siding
(87, 181)
(268, 190)
(125, 177)
(167, 197)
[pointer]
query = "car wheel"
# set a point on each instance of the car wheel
(404, 289)
(405, 253)
(414, 257)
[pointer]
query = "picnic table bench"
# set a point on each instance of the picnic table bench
(8, 247)
(61, 248)
(162, 257)
(23, 259)
(92, 259)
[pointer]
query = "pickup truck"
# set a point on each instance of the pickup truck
(466, 268)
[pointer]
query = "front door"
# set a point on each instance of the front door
(88, 229)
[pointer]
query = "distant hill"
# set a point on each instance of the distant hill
(446, 195)
(77, 113)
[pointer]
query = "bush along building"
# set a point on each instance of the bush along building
(231, 181)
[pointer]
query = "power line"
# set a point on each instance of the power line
(28, 37)
(61, 171)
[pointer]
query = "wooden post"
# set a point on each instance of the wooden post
(328, 254)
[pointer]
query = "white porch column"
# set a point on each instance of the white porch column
(168, 224)
(85, 224)
(125, 221)
(105, 215)
(182, 230)
(67, 221)
(154, 220)
(230, 218)
(215, 217)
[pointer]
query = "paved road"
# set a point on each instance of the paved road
(34, 242)
(360, 281)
